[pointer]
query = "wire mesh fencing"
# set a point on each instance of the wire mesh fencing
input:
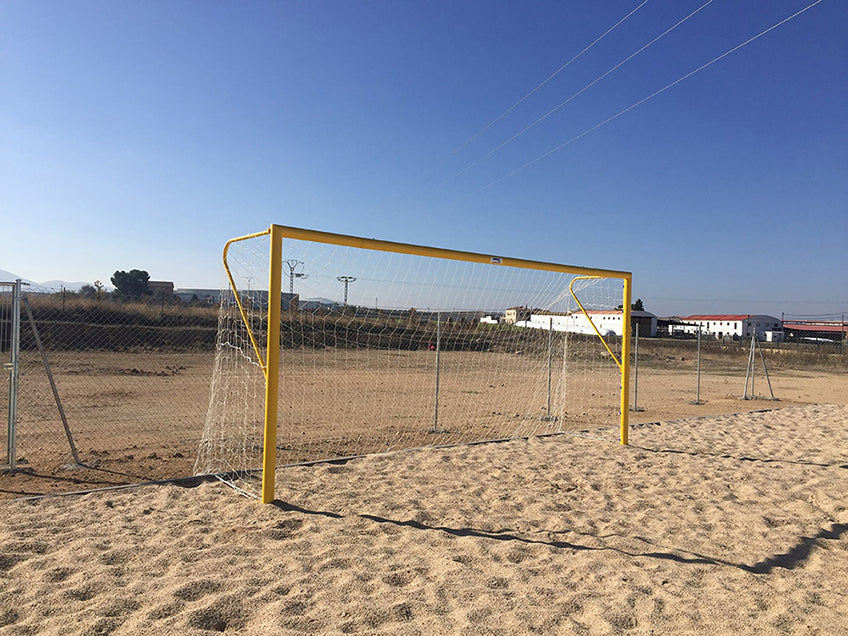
(110, 392)
(681, 377)
(118, 392)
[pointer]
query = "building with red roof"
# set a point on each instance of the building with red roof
(815, 330)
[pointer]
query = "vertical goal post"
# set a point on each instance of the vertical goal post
(270, 362)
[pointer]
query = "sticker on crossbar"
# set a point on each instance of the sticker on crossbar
(496, 260)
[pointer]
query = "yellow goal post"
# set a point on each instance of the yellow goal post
(271, 361)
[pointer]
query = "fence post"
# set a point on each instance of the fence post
(765, 369)
(549, 417)
(636, 408)
(698, 385)
(40, 346)
(749, 372)
(436, 428)
(14, 374)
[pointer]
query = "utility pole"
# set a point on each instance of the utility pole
(347, 280)
(293, 264)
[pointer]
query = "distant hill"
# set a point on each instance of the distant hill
(59, 284)
(311, 304)
(46, 286)
(9, 277)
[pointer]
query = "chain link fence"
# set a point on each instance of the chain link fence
(131, 387)
(132, 382)
(680, 377)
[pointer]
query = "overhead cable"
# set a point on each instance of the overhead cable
(543, 82)
(645, 99)
(578, 93)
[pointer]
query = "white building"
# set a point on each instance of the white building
(729, 325)
(514, 315)
(608, 323)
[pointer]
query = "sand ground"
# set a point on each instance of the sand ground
(721, 524)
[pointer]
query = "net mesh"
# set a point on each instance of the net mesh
(383, 351)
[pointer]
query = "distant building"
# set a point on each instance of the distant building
(774, 336)
(815, 331)
(733, 326)
(204, 296)
(160, 288)
(516, 314)
(607, 322)
(644, 321)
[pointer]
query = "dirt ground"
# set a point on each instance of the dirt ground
(139, 416)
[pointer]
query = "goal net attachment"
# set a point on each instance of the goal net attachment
(332, 346)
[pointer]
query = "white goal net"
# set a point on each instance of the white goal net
(384, 351)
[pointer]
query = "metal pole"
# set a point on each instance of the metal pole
(624, 403)
(436, 428)
(548, 417)
(52, 382)
(765, 369)
(564, 391)
(749, 374)
(636, 408)
(753, 369)
(698, 389)
(782, 331)
(347, 280)
(11, 442)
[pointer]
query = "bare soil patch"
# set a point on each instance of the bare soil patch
(139, 416)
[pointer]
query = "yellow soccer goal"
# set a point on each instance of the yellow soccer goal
(333, 346)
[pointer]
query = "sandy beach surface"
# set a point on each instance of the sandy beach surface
(728, 523)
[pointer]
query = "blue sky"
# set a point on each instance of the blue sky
(146, 134)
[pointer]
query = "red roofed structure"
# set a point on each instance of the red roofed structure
(830, 330)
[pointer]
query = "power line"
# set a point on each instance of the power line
(538, 86)
(644, 99)
(578, 93)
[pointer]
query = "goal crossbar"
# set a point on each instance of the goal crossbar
(270, 363)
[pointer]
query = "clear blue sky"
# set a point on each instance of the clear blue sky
(145, 134)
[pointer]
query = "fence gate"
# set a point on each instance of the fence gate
(10, 330)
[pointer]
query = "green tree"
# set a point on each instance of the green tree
(637, 306)
(88, 291)
(131, 285)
